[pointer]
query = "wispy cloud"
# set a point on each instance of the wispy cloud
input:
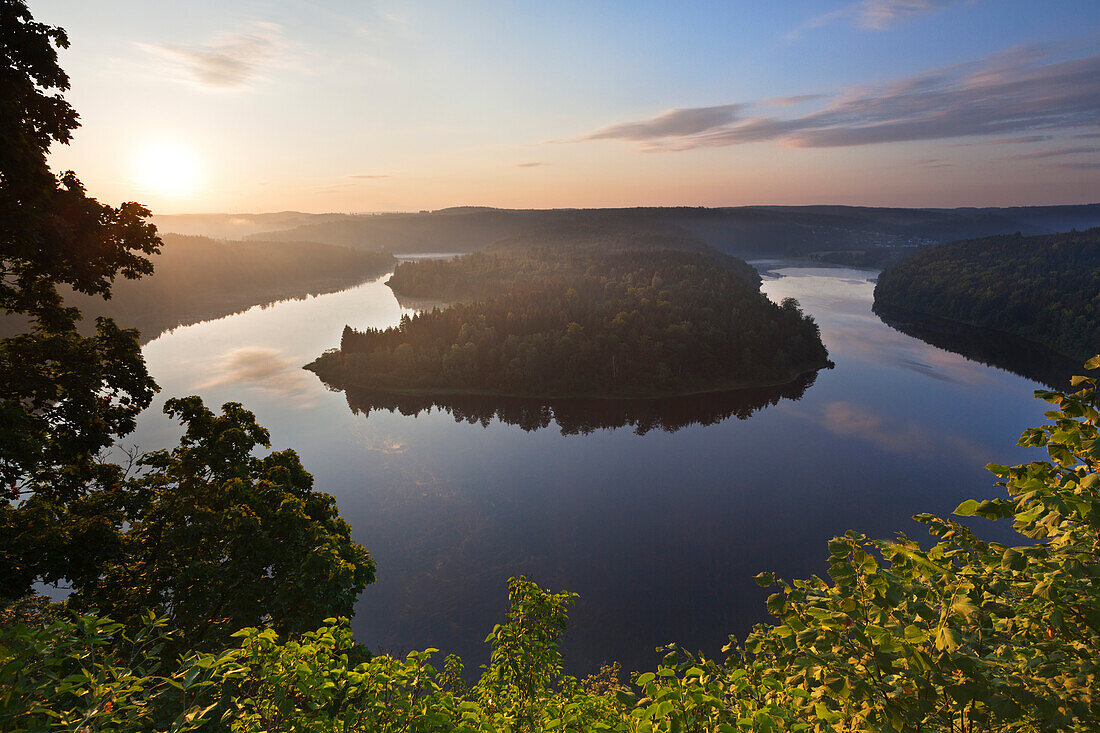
(1080, 165)
(875, 15)
(792, 100)
(333, 187)
(1020, 90)
(1021, 140)
(933, 163)
(370, 176)
(881, 14)
(227, 61)
(671, 123)
(530, 164)
(1057, 152)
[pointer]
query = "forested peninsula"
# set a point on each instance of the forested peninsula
(1045, 289)
(554, 322)
(199, 278)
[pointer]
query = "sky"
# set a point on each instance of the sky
(359, 106)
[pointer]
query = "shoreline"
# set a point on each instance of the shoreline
(442, 392)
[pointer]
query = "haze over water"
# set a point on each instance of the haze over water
(660, 533)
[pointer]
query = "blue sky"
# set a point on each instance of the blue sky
(368, 106)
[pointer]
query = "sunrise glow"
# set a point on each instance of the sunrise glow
(167, 169)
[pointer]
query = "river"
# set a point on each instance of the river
(659, 524)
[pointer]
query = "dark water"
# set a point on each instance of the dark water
(657, 513)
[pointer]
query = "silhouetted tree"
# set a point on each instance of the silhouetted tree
(208, 533)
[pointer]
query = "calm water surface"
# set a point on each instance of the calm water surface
(659, 524)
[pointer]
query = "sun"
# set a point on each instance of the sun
(168, 168)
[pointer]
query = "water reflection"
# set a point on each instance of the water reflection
(266, 369)
(583, 416)
(991, 348)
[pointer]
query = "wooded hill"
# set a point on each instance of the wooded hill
(1044, 289)
(583, 322)
(196, 278)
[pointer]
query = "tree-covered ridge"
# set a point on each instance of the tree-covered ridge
(749, 230)
(623, 324)
(1044, 288)
(196, 278)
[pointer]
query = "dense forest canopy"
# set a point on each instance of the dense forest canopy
(570, 322)
(1043, 288)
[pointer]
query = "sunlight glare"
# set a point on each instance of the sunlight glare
(168, 168)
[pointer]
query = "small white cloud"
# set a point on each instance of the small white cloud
(875, 15)
(227, 61)
(881, 14)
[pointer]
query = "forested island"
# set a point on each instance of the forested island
(554, 322)
(1045, 289)
(198, 278)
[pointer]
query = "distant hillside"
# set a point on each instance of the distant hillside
(197, 278)
(235, 226)
(744, 231)
(1042, 288)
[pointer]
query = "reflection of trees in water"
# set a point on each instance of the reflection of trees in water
(419, 304)
(991, 348)
(579, 416)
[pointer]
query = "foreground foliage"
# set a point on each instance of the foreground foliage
(964, 635)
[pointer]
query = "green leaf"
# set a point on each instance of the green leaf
(947, 639)
(628, 699)
(914, 635)
(967, 508)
